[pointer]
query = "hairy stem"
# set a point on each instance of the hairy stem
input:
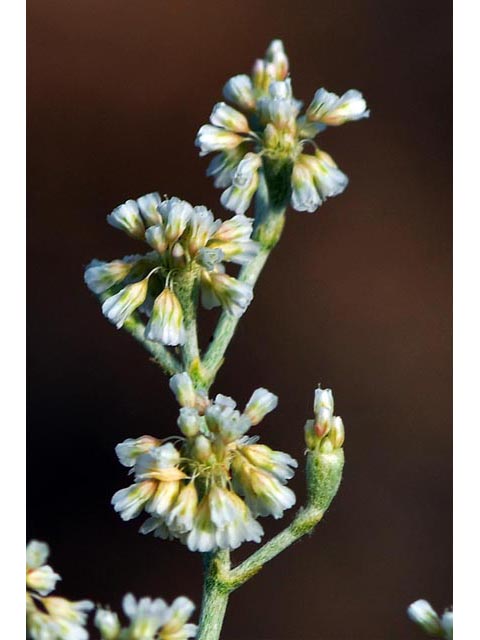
(186, 287)
(162, 356)
(324, 474)
(215, 596)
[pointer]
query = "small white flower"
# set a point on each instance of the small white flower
(146, 616)
(239, 91)
(263, 492)
(164, 498)
(127, 218)
(422, 613)
(182, 515)
(158, 527)
(129, 502)
(129, 450)
(323, 398)
(166, 322)
(331, 110)
(276, 55)
(100, 276)
(176, 627)
(37, 554)
(223, 166)
(327, 177)
(176, 214)
(229, 118)
(447, 625)
(182, 386)
(201, 227)
(156, 237)
(148, 205)
(70, 616)
(305, 196)
(42, 579)
(261, 403)
(279, 464)
(202, 537)
(245, 182)
(210, 138)
(159, 464)
(222, 289)
(189, 422)
(119, 307)
(107, 623)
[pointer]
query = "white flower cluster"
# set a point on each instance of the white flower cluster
(263, 132)
(50, 617)
(326, 432)
(148, 620)
(422, 613)
(209, 487)
(183, 237)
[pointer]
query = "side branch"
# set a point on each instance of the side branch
(169, 363)
(324, 474)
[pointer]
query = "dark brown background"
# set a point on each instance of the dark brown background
(357, 296)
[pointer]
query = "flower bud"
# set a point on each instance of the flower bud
(245, 182)
(182, 386)
(107, 623)
(239, 91)
(277, 56)
(119, 307)
(311, 438)
(166, 322)
(422, 613)
(261, 403)
(127, 218)
(202, 449)
(189, 422)
(229, 118)
(337, 432)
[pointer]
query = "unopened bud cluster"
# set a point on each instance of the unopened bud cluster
(208, 486)
(184, 239)
(423, 614)
(148, 620)
(264, 135)
(326, 431)
(51, 617)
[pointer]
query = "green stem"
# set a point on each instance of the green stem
(324, 474)
(186, 288)
(215, 596)
(169, 363)
(227, 324)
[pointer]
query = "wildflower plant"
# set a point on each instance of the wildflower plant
(210, 481)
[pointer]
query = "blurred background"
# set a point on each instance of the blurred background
(357, 296)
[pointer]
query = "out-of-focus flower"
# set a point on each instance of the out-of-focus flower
(209, 488)
(51, 617)
(424, 615)
(184, 239)
(149, 619)
(264, 135)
